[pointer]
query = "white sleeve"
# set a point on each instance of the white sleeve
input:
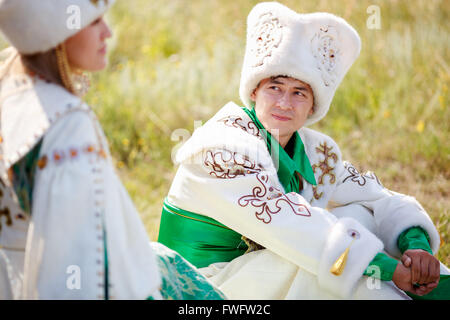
(65, 250)
(251, 201)
(393, 212)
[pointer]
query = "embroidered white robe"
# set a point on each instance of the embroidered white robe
(226, 173)
(59, 252)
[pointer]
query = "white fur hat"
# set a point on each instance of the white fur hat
(34, 26)
(316, 48)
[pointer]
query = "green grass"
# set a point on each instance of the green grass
(174, 62)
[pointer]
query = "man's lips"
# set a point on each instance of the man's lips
(280, 118)
(103, 50)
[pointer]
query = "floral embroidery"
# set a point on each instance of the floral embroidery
(5, 212)
(228, 165)
(317, 195)
(326, 52)
(234, 121)
(355, 176)
(42, 162)
(266, 37)
(325, 167)
(261, 196)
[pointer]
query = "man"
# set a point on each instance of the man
(255, 180)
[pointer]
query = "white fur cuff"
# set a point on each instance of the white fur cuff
(363, 249)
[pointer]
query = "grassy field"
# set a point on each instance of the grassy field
(175, 62)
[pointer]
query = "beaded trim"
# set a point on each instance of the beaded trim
(58, 157)
(22, 150)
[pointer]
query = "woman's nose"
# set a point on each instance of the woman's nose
(107, 33)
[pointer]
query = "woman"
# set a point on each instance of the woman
(68, 228)
(268, 208)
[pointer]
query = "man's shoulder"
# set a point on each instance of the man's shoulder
(230, 129)
(233, 118)
(313, 139)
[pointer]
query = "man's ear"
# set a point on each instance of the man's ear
(311, 111)
(253, 96)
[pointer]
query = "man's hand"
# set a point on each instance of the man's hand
(402, 278)
(424, 268)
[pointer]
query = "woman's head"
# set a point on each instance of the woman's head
(48, 41)
(86, 50)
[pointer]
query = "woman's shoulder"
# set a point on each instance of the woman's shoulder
(30, 107)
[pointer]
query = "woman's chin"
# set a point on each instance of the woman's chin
(99, 66)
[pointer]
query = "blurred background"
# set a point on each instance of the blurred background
(173, 62)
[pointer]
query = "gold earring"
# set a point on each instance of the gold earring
(76, 81)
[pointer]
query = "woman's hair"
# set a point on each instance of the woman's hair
(43, 64)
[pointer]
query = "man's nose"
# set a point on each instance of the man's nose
(283, 102)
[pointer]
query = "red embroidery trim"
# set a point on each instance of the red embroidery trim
(59, 156)
(261, 199)
(356, 177)
(228, 165)
(250, 127)
(324, 166)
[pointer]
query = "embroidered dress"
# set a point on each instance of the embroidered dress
(227, 176)
(69, 229)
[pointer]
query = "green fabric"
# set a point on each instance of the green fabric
(414, 238)
(288, 165)
(381, 267)
(180, 279)
(105, 249)
(199, 239)
(441, 292)
(23, 180)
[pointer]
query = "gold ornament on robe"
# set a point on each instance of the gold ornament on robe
(339, 265)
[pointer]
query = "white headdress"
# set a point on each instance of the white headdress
(316, 48)
(34, 26)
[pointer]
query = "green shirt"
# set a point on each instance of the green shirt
(292, 160)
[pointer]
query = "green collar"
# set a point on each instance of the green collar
(297, 161)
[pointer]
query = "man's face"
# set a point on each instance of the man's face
(283, 104)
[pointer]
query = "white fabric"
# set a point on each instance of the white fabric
(37, 26)
(264, 275)
(316, 48)
(76, 196)
(217, 179)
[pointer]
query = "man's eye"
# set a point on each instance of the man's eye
(96, 21)
(299, 93)
(274, 88)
